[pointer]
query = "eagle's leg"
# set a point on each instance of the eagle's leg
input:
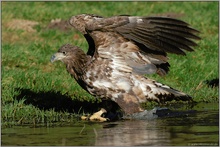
(133, 110)
(96, 116)
(129, 104)
(110, 109)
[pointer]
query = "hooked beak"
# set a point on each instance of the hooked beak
(53, 58)
(56, 56)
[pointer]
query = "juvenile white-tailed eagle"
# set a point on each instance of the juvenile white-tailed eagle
(122, 49)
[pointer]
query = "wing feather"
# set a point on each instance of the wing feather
(160, 33)
(171, 39)
(152, 38)
(160, 43)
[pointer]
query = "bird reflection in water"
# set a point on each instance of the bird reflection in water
(133, 132)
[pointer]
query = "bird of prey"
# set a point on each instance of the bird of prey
(122, 51)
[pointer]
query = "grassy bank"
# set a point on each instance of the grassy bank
(36, 91)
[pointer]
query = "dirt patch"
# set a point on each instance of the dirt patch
(11, 35)
(62, 25)
(21, 24)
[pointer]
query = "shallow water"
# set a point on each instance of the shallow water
(198, 128)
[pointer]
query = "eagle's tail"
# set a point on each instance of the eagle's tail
(155, 91)
(144, 89)
(169, 94)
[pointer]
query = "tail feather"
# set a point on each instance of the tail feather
(164, 93)
(149, 90)
(173, 95)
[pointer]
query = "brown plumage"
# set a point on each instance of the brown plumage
(121, 50)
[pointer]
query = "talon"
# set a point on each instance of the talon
(96, 116)
(84, 117)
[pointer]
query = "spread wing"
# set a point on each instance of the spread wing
(159, 34)
(150, 37)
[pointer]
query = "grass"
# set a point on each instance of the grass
(35, 91)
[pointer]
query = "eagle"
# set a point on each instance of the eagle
(122, 51)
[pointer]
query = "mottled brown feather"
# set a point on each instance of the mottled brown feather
(121, 50)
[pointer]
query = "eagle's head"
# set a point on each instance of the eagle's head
(79, 21)
(67, 53)
(73, 57)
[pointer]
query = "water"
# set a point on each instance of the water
(200, 127)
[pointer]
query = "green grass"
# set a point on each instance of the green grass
(36, 91)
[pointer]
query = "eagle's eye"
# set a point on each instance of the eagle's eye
(64, 53)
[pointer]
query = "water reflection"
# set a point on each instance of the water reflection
(200, 128)
(134, 132)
